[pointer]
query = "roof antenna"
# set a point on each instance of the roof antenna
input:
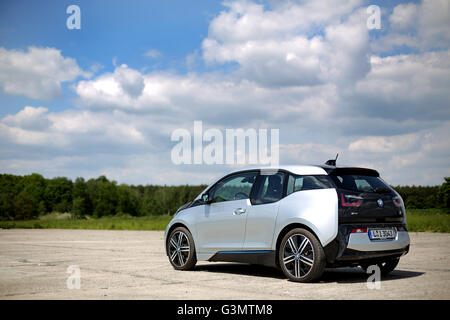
(332, 162)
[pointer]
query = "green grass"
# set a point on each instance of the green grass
(106, 223)
(425, 211)
(427, 220)
(419, 220)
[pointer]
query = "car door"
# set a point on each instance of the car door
(222, 225)
(262, 214)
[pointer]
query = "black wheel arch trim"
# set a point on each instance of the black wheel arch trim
(284, 231)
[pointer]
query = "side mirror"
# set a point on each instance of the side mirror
(205, 198)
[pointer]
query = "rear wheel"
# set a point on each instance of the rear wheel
(301, 256)
(181, 249)
(386, 266)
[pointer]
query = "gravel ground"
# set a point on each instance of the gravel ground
(133, 265)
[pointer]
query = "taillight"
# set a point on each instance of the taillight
(397, 201)
(359, 230)
(350, 200)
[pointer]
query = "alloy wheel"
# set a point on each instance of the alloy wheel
(179, 249)
(298, 255)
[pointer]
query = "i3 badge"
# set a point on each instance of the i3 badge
(380, 203)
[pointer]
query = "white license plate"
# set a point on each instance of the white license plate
(381, 234)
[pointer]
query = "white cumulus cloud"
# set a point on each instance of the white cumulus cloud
(37, 72)
(304, 67)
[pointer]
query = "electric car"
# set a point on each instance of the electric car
(300, 219)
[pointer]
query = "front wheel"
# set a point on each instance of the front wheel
(181, 249)
(301, 256)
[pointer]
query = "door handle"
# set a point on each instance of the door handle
(238, 211)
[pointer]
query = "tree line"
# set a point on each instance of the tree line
(29, 196)
(426, 197)
(26, 197)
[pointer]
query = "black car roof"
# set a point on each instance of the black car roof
(335, 171)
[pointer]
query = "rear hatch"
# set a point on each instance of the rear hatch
(365, 198)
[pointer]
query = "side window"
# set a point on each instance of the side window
(290, 184)
(235, 187)
(302, 183)
(298, 184)
(269, 188)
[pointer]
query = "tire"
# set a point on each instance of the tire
(301, 260)
(181, 255)
(386, 266)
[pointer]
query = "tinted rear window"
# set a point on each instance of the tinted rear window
(302, 183)
(269, 188)
(360, 183)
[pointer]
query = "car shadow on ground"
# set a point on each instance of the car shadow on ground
(242, 269)
(338, 275)
(357, 275)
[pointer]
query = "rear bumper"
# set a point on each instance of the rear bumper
(353, 248)
(360, 256)
(361, 242)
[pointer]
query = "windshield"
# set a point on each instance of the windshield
(360, 183)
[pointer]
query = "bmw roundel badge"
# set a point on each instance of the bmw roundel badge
(380, 203)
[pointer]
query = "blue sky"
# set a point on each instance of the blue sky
(121, 30)
(109, 28)
(105, 99)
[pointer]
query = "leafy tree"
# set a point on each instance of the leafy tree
(419, 197)
(105, 201)
(412, 202)
(58, 194)
(147, 206)
(34, 185)
(128, 200)
(42, 208)
(80, 190)
(25, 206)
(78, 207)
(10, 187)
(6, 206)
(444, 194)
(24, 197)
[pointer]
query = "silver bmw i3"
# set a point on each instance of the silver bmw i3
(297, 218)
